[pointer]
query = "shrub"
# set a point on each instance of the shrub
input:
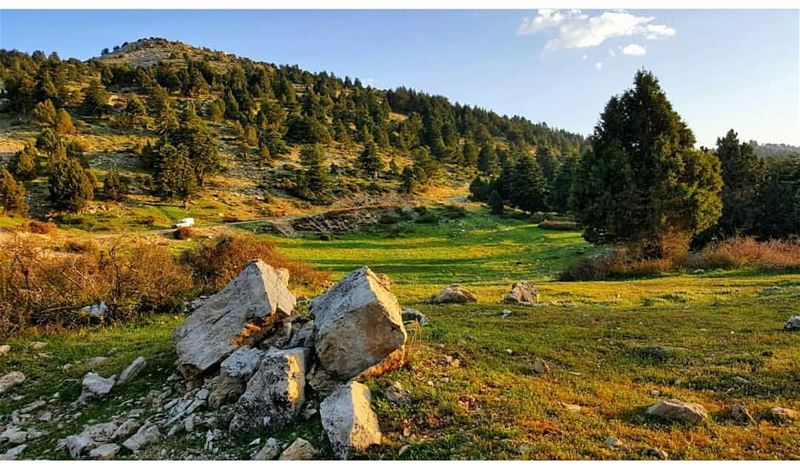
(559, 225)
(183, 233)
(76, 246)
(43, 284)
(216, 262)
(747, 252)
(38, 227)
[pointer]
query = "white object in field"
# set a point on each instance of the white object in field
(185, 222)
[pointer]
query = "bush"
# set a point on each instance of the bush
(43, 284)
(38, 227)
(747, 252)
(216, 262)
(559, 225)
(76, 246)
(183, 233)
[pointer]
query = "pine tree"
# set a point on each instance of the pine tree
(71, 187)
(96, 100)
(175, 178)
(496, 203)
(409, 182)
(314, 182)
(45, 113)
(48, 141)
(528, 186)
(742, 175)
(643, 181)
(370, 160)
(23, 164)
(487, 160)
(63, 123)
(114, 186)
(12, 194)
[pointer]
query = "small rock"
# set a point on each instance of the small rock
(47, 416)
(96, 361)
(413, 315)
(680, 411)
(270, 450)
(132, 370)
(741, 380)
(300, 449)
(613, 442)
(539, 366)
(95, 388)
(740, 414)
(32, 407)
(188, 424)
(523, 293)
(655, 453)
(37, 345)
(397, 394)
(104, 452)
(572, 408)
(143, 436)
(79, 444)
(13, 435)
(403, 449)
(125, 429)
(10, 380)
(505, 313)
(782, 415)
(12, 453)
(793, 324)
(5, 349)
(509, 351)
(453, 294)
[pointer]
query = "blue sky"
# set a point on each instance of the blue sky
(721, 68)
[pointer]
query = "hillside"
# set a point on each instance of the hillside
(257, 118)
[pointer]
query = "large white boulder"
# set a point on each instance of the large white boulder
(348, 419)
(275, 393)
(358, 325)
(238, 315)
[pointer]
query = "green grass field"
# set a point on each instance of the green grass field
(716, 327)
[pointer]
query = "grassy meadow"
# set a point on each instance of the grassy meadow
(717, 334)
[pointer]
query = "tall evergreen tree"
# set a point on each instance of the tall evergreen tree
(23, 164)
(528, 185)
(314, 181)
(742, 175)
(12, 194)
(643, 181)
(70, 187)
(370, 160)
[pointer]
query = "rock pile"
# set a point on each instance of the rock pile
(258, 361)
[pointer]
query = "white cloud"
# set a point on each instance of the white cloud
(575, 29)
(633, 49)
(598, 65)
(584, 57)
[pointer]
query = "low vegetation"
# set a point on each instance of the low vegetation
(48, 283)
